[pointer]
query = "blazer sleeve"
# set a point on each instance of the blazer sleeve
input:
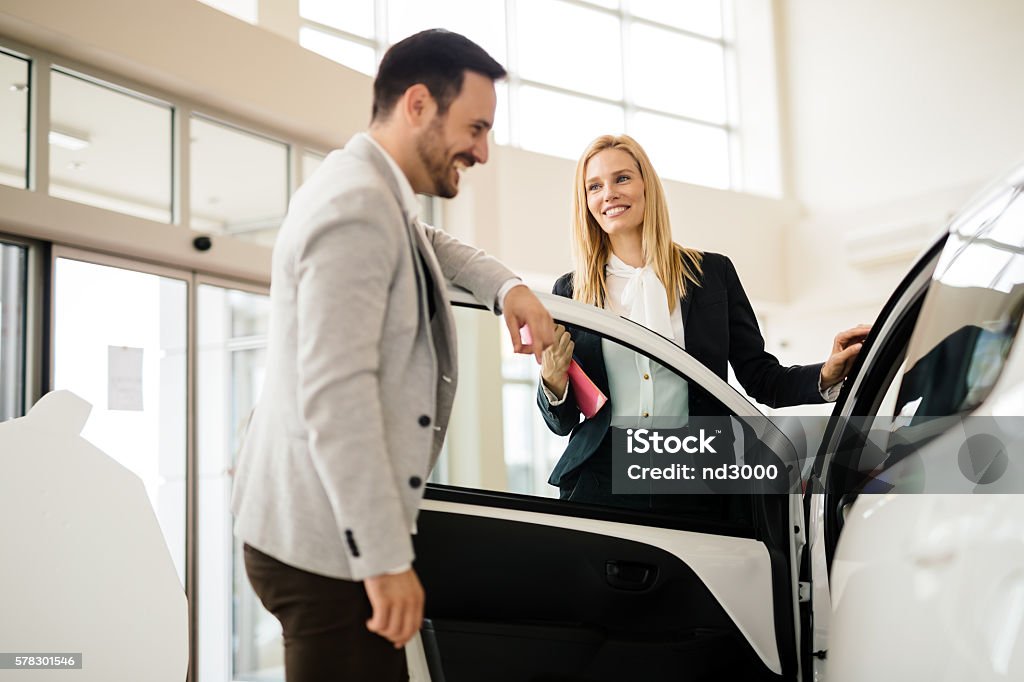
(469, 267)
(561, 419)
(338, 388)
(758, 371)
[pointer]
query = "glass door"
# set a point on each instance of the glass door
(120, 341)
(237, 638)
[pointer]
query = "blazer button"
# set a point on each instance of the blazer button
(415, 482)
(424, 420)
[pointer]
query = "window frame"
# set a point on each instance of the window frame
(293, 166)
(6, 50)
(877, 365)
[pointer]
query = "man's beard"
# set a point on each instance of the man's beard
(430, 148)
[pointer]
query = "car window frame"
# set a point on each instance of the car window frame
(640, 339)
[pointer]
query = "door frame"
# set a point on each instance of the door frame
(35, 338)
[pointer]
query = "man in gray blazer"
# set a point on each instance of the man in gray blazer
(361, 366)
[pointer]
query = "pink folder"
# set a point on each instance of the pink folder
(589, 398)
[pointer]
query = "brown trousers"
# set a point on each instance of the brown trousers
(324, 625)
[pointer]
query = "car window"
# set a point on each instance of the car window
(945, 357)
(968, 324)
(499, 440)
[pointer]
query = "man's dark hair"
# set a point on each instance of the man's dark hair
(437, 58)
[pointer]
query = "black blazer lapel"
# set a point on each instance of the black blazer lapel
(590, 357)
(684, 302)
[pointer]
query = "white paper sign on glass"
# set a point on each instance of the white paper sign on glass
(124, 378)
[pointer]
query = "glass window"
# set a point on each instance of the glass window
(589, 54)
(474, 447)
(128, 358)
(694, 86)
(497, 439)
(563, 125)
(502, 130)
(531, 450)
(684, 151)
(109, 148)
(13, 301)
(232, 337)
(482, 21)
(544, 107)
(698, 16)
(246, 10)
(14, 84)
(310, 162)
(352, 16)
(358, 56)
(239, 182)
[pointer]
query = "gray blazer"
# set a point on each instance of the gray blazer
(359, 379)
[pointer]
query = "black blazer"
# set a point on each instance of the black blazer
(720, 328)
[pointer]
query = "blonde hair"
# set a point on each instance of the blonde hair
(673, 264)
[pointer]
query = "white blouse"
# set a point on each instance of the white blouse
(639, 388)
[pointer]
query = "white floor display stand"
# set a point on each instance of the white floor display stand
(84, 569)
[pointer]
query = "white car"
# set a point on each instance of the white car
(521, 587)
(930, 586)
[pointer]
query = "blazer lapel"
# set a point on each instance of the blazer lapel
(443, 322)
(590, 356)
(685, 303)
(685, 310)
(423, 256)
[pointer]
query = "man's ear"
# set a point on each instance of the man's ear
(418, 105)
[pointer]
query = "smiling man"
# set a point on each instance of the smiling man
(361, 367)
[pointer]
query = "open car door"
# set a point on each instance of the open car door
(927, 384)
(522, 585)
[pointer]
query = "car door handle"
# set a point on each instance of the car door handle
(629, 575)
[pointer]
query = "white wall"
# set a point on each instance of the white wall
(894, 114)
(893, 99)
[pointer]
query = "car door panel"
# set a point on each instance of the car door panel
(620, 600)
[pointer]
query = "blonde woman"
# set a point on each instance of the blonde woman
(627, 263)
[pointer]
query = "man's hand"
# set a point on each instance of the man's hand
(554, 367)
(844, 351)
(397, 602)
(523, 308)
